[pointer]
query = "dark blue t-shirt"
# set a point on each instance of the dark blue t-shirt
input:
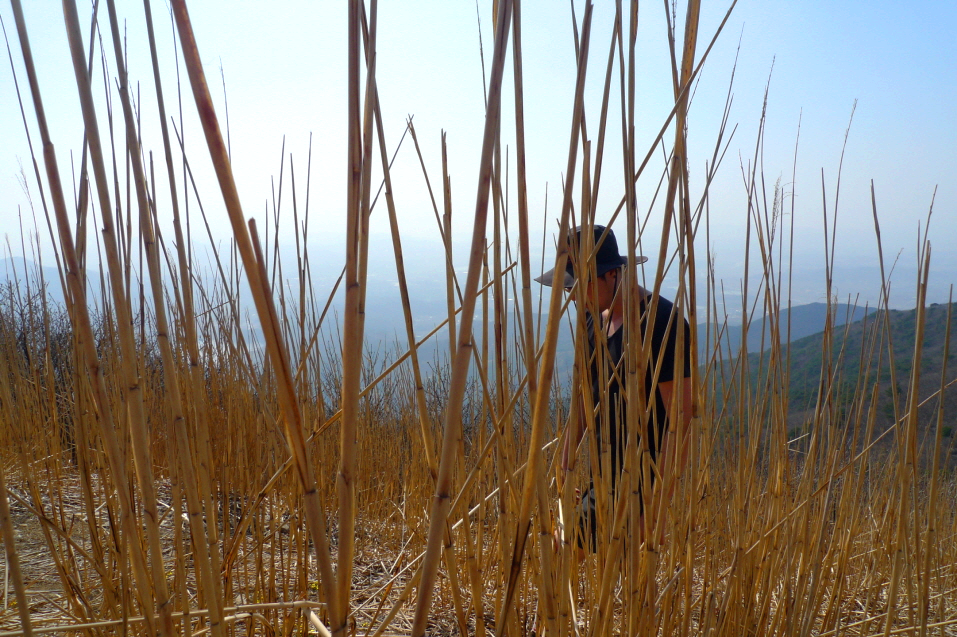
(664, 348)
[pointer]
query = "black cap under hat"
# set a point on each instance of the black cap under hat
(606, 258)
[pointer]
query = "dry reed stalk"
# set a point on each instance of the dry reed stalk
(235, 613)
(444, 221)
(668, 120)
(445, 227)
(770, 530)
(137, 418)
(30, 388)
(406, 304)
(644, 565)
(453, 293)
(524, 238)
(440, 503)
(12, 564)
(206, 547)
(420, 400)
(292, 421)
(589, 212)
(908, 457)
(188, 323)
(540, 409)
(494, 342)
(359, 162)
(82, 324)
(635, 359)
(931, 533)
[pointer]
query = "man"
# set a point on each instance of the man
(665, 420)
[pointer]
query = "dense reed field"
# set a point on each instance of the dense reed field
(168, 469)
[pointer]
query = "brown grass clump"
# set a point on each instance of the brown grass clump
(167, 470)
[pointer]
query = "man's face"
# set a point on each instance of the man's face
(600, 291)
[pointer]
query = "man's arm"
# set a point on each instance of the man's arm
(683, 415)
(569, 452)
(679, 417)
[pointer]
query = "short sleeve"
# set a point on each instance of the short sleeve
(665, 343)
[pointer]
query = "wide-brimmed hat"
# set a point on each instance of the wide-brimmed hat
(607, 257)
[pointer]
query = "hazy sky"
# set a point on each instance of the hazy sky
(285, 73)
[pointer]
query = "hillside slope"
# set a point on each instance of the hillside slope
(858, 354)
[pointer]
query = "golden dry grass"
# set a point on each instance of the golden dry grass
(165, 474)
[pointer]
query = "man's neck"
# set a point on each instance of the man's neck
(614, 316)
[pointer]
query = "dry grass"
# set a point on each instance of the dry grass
(166, 472)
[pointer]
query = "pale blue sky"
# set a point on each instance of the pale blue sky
(285, 70)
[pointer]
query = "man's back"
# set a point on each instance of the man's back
(606, 384)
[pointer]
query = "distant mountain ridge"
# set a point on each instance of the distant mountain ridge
(805, 320)
(20, 272)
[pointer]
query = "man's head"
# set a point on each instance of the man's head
(607, 258)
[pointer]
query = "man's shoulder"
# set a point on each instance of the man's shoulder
(664, 303)
(665, 306)
(667, 318)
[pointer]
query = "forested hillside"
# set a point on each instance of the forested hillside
(828, 371)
